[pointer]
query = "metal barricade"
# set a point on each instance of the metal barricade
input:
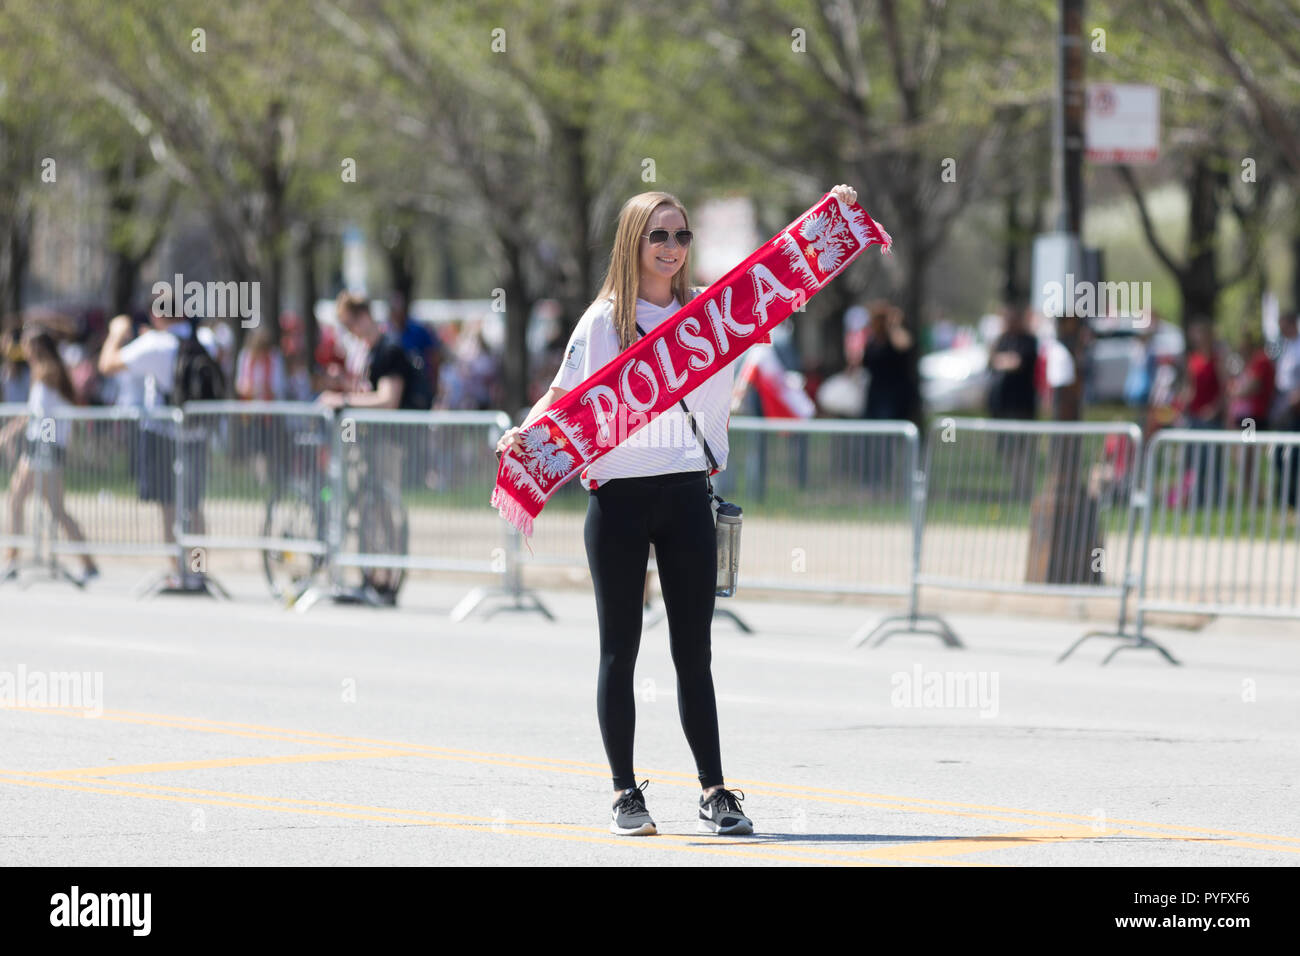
(828, 504)
(1030, 508)
(829, 507)
(256, 479)
(1221, 532)
(409, 492)
(102, 483)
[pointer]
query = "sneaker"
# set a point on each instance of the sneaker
(720, 813)
(630, 817)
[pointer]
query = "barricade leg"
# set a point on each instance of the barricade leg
(911, 622)
(511, 587)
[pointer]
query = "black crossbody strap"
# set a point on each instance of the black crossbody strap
(690, 417)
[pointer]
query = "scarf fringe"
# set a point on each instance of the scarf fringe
(514, 512)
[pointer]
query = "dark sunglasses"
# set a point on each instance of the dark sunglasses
(658, 237)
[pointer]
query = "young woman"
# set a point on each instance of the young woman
(652, 489)
(46, 438)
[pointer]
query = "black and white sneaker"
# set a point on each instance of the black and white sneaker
(630, 817)
(720, 813)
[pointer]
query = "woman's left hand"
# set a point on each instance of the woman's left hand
(846, 194)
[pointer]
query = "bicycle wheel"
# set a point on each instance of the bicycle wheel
(382, 528)
(297, 513)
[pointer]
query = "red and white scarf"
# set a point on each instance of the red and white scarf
(679, 354)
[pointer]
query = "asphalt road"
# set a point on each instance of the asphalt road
(239, 733)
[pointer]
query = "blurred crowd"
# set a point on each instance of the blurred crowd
(458, 369)
(1014, 365)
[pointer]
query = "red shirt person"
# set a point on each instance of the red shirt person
(1203, 396)
(1251, 391)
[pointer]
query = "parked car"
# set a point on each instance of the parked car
(956, 380)
(1116, 345)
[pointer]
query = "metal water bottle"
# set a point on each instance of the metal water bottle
(727, 522)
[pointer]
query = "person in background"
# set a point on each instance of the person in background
(483, 373)
(1061, 382)
(391, 378)
(1142, 371)
(1012, 360)
(298, 378)
(890, 392)
(150, 359)
(1285, 414)
(46, 446)
(424, 352)
(259, 371)
(1203, 402)
(421, 347)
(1250, 393)
(259, 377)
(223, 350)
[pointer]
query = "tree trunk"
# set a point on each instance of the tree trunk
(916, 261)
(446, 261)
(518, 307)
(582, 289)
(401, 258)
(18, 252)
(1014, 288)
(1199, 281)
(1295, 265)
(307, 265)
(124, 269)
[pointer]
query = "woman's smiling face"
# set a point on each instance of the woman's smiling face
(667, 259)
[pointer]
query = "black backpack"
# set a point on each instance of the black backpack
(196, 377)
(419, 390)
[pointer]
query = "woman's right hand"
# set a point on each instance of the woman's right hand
(510, 441)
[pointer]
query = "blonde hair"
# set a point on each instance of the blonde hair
(624, 273)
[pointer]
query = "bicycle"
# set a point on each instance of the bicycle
(298, 510)
(375, 520)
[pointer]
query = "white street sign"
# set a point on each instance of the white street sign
(1122, 123)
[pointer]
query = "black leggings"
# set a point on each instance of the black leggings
(624, 515)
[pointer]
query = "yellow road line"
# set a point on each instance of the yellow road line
(217, 762)
(674, 778)
(11, 776)
(535, 829)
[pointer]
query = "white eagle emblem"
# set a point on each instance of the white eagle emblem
(544, 455)
(828, 239)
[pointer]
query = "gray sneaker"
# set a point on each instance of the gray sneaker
(630, 817)
(720, 814)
